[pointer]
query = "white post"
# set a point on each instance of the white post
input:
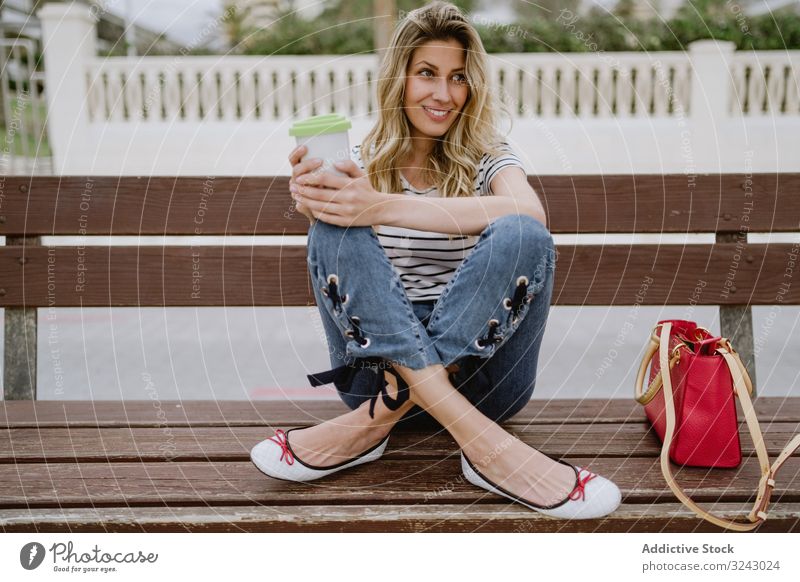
(69, 41)
(130, 29)
(711, 79)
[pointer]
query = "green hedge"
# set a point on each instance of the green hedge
(593, 32)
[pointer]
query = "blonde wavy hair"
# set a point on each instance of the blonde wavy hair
(452, 165)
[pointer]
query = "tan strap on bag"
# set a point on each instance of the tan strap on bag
(743, 389)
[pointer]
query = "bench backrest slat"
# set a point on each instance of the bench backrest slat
(78, 205)
(719, 274)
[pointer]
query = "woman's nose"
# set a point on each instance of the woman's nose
(441, 91)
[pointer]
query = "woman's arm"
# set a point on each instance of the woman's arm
(352, 201)
(449, 215)
(468, 215)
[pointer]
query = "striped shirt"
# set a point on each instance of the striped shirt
(426, 261)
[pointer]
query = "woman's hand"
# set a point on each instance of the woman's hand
(341, 200)
(298, 169)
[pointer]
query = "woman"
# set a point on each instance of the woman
(449, 293)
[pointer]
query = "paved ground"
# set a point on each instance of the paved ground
(245, 353)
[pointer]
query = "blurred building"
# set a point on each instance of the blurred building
(18, 20)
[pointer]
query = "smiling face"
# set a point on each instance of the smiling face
(436, 87)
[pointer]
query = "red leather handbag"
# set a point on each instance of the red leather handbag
(692, 408)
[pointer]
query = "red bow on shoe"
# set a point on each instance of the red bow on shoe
(283, 442)
(579, 492)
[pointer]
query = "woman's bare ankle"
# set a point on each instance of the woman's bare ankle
(488, 446)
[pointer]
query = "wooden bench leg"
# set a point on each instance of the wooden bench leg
(736, 324)
(19, 372)
(19, 368)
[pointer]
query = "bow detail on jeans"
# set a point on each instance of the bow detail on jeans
(343, 377)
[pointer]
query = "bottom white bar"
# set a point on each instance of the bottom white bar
(401, 557)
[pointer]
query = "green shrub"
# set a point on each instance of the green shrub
(340, 30)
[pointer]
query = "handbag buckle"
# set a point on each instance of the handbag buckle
(682, 344)
(698, 335)
(767, 485)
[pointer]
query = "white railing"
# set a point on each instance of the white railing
(765, 83)
(21, 146)
(699, 110)
(229, 88)
(589, 85)
(533, 85)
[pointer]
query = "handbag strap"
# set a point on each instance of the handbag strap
(742, 388)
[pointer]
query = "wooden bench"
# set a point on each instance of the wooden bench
(125, 466)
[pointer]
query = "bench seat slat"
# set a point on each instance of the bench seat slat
(380, 483)
(143, 413)
(72, 445)
(661, 517)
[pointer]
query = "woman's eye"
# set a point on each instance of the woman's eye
(457, 78)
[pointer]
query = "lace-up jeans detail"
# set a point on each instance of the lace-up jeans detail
(362, 300)
(491, 338)
(332, 292)
(490, 293)
(520, 297)
(489, 319)
(337, 303)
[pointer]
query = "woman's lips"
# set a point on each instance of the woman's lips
(439, 117)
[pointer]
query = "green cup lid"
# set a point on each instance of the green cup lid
(320, 124)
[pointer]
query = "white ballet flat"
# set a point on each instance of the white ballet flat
(274, 457)
(593, 496)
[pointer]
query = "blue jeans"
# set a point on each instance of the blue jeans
(489, 319)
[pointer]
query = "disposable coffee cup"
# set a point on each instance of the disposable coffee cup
(326, 138)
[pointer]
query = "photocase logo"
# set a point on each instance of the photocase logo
(31, 555)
